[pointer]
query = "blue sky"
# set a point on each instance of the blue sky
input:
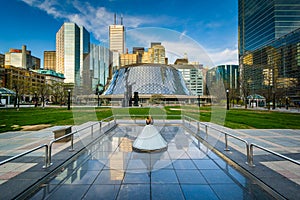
(212, 24)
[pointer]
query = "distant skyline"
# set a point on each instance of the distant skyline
(212, 24)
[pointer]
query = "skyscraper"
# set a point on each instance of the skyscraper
(116, 38)
(269, 58)
(116, 41)
(72, 45)
(100, 65)
(22, 58)
(261, 22)
(50, 60)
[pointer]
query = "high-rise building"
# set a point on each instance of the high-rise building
(261, 22)
(22, 58)
(117, 38)
(192, 75)
(128, 59)
(2, 59)
(72, 46)
(116, 41)
(50, 60)
(100, 66)
(156, 54)
(139, 51)
(2, 77)
(269, 58)
(225, 74)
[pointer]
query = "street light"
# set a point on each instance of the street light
(273, 96)
(227, 98)
(98, 93)
(287, 103)
(36, 99)
(198, 100)
(69, 99)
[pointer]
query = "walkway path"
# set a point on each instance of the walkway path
(285, 141)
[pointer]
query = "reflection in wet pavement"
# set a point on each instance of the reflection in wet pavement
(186, 170)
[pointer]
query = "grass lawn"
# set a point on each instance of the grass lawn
(11, 119)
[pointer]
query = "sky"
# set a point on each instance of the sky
(201, 25)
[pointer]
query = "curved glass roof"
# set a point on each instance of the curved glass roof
(148, 79)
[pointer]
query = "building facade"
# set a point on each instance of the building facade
(261, 22)
(50, 60)
(22, 58)
(192, 75)
(155, 54)
(117, 38)
(72, 46)
(100, 66)
(116, 43)
(51, 76)
(273, 71)
(269, 50)
(128, 59)
(227, 76)
(24, 82)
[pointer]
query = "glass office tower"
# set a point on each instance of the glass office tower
(269, 50)
(100, 65)
(261, 22)
(72, 46)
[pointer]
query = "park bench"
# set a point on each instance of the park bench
(61, 132)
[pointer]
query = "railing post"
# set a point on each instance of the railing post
(250, 160)
(248, 154)
(100, 126)
(226, 143)
(49, 154)
(92, 130)
(198, 128)
(46, 157)
(72, 142)
(206, 131)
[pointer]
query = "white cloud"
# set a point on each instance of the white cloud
(97, 19)
(226, 56)
(94, 19)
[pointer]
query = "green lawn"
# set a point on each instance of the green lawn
(11, 119)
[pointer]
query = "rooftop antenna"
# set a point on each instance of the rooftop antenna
(115, 19)
(121, 20)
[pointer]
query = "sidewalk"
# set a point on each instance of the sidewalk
(277, 109)
(283, 141)
(16, 142)
(281, 175)
(268, 168)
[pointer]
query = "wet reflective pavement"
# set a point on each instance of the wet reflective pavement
(186, 170)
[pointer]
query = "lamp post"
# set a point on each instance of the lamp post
(198, 101)
(98, 93)
(36, 99)
(227, 98)
(69, 99)
(273, 96)
(287, 103)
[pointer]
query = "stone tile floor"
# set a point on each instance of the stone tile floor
(111, 167)
(187, 170)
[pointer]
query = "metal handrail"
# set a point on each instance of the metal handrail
(270, 151)
(72, 137)
(249, 146)
(65, 136)
(226, 138)
(28, 152)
